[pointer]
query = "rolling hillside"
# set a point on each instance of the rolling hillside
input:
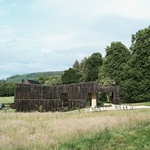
(32, 76)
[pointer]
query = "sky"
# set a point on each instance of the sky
(49, 35)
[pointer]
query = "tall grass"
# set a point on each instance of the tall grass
(36, 131)
(134, 137)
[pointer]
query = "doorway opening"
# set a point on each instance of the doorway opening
(64, 100)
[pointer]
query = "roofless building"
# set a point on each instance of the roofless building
(33, 97)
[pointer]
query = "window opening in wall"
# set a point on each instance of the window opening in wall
(104, 97)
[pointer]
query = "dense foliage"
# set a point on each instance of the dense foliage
(85, 71)
(137, 85)
(92, 65)
(128, 68)
(50, 80)
(71, 76)
(117, 56)
(6, 89)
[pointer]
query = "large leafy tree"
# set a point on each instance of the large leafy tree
(116, 59)
(92, 65)
(6, 88)
(138, 83)
(43, 79)
(50, 80)
(70, 76)
(113, 70)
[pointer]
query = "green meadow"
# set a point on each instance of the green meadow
(76, 130)
(7, 99)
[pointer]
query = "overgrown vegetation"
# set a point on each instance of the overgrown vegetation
(129, 68)
(130, 137)
(75, 130)
(6, 89)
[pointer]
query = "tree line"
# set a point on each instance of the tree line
(127, 67)
(48, 78)
(32, 76)
(6, 88)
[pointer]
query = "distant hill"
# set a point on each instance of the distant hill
(32, 76)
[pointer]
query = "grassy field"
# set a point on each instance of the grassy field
(76, 130)
(7, 99)
(108, 130)
(139, 104)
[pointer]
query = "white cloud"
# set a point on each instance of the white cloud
(92, 9)
(49, 42)
(67, 40)
(134, 9)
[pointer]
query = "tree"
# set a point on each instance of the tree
(138, 83)
(117, 56)
(70, 76)
(43, 79)
(10, 89)
(6, 89)
(76, 66)
(103, 78)
(92, 65)
(105, 81)
(113, 71)
(82, 64)
(53, 80)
